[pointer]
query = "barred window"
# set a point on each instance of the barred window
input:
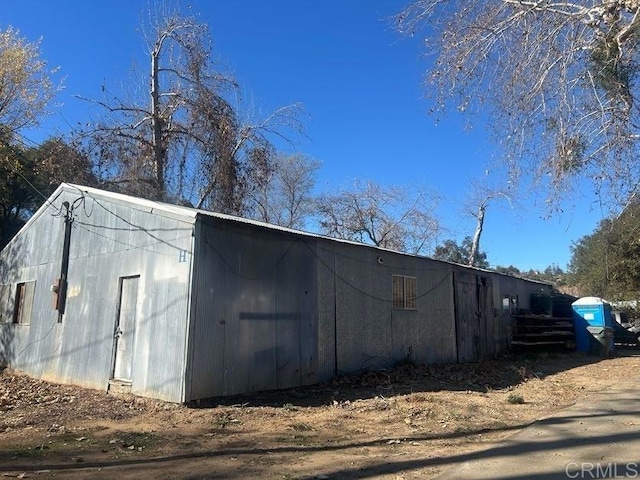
(404, 292)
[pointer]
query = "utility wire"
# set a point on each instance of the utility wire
(365, 293)
(84, 226)
(21, 155)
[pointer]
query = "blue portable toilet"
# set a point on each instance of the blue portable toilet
(593, 321)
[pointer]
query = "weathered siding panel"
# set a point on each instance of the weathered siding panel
(209, 307)
(255, 315)
(108, 240)
(487, 316)
(297, 313)
(437, 333)
(474, 315)
(363, 310)
(259, 308)
(370, 332)
(326, 308)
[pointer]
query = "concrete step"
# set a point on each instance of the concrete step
(119, 387)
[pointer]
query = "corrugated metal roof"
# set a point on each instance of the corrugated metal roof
(189, 215)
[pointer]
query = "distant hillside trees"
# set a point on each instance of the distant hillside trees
(552, 274)
(452, 251)
(606, 263)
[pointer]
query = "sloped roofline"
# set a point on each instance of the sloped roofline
(190, 215)
(48, 204)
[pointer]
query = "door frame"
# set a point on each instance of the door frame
(479, 304)
(116, 325)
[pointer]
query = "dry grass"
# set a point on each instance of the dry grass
(411, 421)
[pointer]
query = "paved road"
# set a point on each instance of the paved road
(598, 437)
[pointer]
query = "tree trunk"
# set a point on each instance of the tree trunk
(159, 149)
(475, 245)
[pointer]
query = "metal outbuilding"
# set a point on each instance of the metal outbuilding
(101, 289)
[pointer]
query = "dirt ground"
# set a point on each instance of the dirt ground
(407, 422)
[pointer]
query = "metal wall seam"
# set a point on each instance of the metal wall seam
(191, 308)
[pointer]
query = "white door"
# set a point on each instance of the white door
(125, 328)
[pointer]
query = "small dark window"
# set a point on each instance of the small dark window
(5, 309)
(405, 292)
(23, 303)
(510, 304)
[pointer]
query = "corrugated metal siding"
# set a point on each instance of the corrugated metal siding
(108, 241)
(270, 308)
(158, 362)
(326, 301)
(255, 316)
(370, 332)
(363, 310)
(205, 376)
(297, 327)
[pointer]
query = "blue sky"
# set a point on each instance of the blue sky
(360, 83)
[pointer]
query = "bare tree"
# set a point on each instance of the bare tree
(186, 139)
(560, 79)
(478, 200)
(389, 217)
(26, 85)
(285, 197)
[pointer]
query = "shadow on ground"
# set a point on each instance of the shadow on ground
(409, 378)
(8, 462)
